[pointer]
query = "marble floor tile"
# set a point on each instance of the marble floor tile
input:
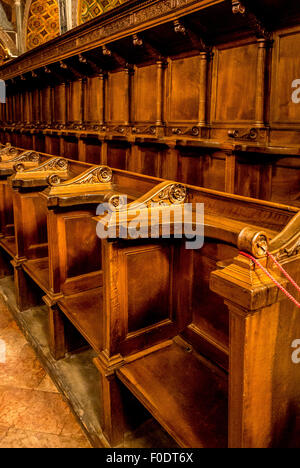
(23, 370)
(5, 317)
(3, 432)
(71, 426)
(14, 340)
(16, 438)
(33, 410)
(47, 385)
(33, 414)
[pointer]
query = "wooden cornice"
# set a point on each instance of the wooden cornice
(130, 18)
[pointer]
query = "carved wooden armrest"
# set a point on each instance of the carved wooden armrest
(20, 159)
(96, 179)
(247, 285)
(54, 167)
(287, 243)
(168, 198)
(94, 186)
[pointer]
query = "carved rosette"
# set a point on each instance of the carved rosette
(54, 179)
(117, 201)
(102, 175)
(175, 194)
(105, 174)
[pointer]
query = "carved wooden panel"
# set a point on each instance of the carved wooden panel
(117, 155)
(60, 104)
(286, 69)
(7, 214)
(197, 167)
(32, 232)
(70, 148)
(253, 177)
(149, 293)
(92, 151)
(75, 101)
(93, 107)
(46, 105)
(117, 110)
(183, 89)
(52, 145)
(35, 107)
(145, 93)
(145, 160)
(39, 144)
(25, 142)
(234, 83)
(286, 180)
(83, 254)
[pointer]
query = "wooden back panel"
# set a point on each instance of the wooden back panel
(201, 94)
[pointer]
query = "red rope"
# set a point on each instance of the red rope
(284, 272)
(273, 279)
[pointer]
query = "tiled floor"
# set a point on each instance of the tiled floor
(33, 414)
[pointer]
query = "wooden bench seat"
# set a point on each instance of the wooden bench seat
(186, 394)
(88, 323)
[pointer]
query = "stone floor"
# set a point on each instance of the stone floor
(33, 413)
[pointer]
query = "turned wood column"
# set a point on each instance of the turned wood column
(261, 82)
(65, 104)
(14, 108)
(27, 107)
(8, 108)
(37, 107)
(40, 110)
(82, 99)
(129, 72)
(161, 66)
(52, 105)
(102, 109)
(204, 59)
(20, 104)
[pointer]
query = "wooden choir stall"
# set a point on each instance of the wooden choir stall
(114, 127)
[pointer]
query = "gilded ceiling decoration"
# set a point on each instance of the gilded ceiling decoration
(92, 8)
(43, 22)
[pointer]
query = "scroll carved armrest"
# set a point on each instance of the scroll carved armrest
(96, 179)
(161, 207)
(20, 160)
(287, 243)
(53, 167)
